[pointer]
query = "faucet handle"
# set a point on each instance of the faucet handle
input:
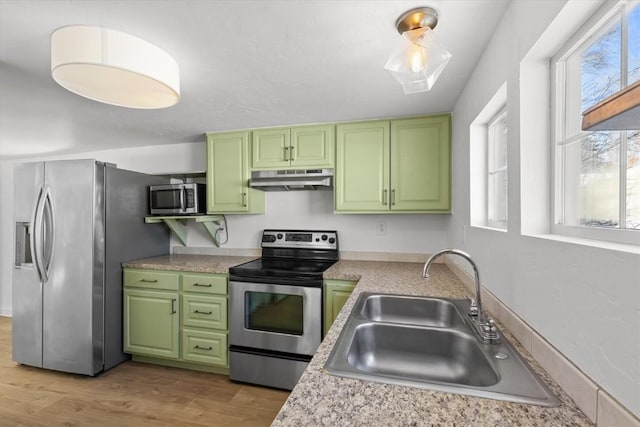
(473, 306)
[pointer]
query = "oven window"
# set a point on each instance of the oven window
(165, 199)
(273, 312)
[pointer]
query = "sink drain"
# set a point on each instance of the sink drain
(501, 355)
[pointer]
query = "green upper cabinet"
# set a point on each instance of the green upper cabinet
(228, 175)
(362, 167)
(420, 164)
(297, 147)
(271, 148)
(397, 166)
(312, 146)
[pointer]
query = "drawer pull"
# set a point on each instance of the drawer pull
(197, 347)
(148, 281)
(203, 285)
(202, 312)
(173, 306)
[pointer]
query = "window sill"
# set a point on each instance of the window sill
(490, 228)
(619, 247)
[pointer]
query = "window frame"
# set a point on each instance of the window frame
(502, 114)
(591, 30)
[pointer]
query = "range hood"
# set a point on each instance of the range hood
(292, 179)
(620, 111)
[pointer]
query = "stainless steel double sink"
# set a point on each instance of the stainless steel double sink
(429, 343)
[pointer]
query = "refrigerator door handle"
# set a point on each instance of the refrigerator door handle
(36, 235)
(50, 228)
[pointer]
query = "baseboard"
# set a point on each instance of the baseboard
(385, 256)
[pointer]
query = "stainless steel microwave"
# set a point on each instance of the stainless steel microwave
(177, 199)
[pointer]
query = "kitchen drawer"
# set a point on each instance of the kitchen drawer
(151, 279)
(205, 347)
(204, 311)
(204, 283)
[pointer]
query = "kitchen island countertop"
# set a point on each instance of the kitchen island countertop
(321, 399)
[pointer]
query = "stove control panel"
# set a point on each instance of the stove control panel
(300, 239)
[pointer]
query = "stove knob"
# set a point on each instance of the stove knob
(317, 240)
(279, 236)
(324, 237)
(332, 240)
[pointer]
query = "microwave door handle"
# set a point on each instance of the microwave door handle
(182, 192)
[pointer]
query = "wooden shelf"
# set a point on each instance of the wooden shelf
(178, 224)
(620, 111)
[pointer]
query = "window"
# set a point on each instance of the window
(597, 180)
(488, 164)
(497, 171)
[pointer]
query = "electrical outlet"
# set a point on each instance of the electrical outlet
(381, 229)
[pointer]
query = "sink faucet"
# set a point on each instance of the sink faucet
(484, 325)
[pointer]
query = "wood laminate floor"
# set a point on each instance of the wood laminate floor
(131, 394)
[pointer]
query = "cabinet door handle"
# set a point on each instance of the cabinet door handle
(291, 153)
(173, 306)
(148, 281)
(244, 199)
(202, 312)
(393, 197)
(384, 197)
(286, 153)
(197, 347)
(203, 285)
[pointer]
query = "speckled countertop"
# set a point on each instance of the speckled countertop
(182, 262)
(320, 399)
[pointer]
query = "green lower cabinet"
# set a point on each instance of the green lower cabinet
(205, 347)
(336, 294)
(204, 311)
(186, 328)
(151, 323)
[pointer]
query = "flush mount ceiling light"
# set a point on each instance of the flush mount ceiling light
(420, 60)
(113, 67)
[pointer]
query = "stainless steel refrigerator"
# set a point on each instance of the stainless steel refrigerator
(75, 222)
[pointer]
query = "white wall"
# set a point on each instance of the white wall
(6, 236)
(314, 210)
(303, 209)
(583, 299)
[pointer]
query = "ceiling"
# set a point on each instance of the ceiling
(243, 64)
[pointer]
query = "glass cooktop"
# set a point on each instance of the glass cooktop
(283, 269)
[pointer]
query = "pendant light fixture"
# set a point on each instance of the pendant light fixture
(421, 58)
(114, 67)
